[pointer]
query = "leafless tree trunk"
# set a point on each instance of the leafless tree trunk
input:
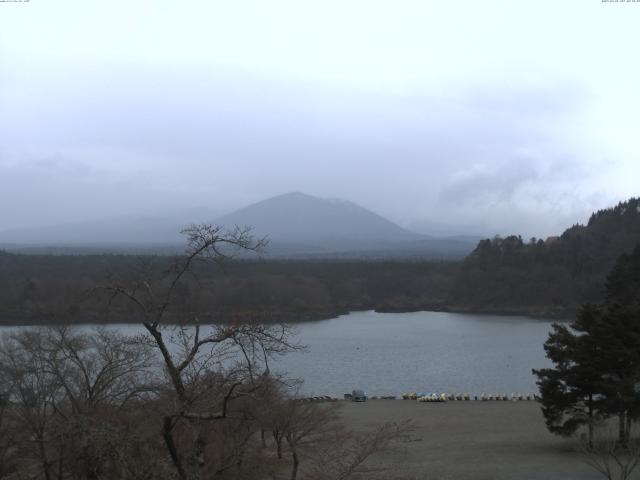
(295, 461)
(207, 370)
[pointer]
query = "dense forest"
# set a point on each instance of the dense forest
(550, 277)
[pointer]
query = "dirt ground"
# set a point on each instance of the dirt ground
(472, 440)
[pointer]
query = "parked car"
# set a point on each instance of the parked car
(358, 396)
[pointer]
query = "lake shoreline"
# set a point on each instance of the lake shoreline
(543, 313)
(546, 313)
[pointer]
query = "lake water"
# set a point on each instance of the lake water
(391, 353)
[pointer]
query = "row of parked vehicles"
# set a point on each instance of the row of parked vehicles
(445, 397)
(360, 396)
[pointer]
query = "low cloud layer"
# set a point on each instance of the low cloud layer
(98, 134)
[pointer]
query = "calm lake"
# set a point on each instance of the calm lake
(392, 353)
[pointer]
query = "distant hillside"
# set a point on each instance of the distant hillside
(583, 249)
(117, 230)
(596, 246)
(128, 232)
(558, 273)
(303, 218)
(300, 225)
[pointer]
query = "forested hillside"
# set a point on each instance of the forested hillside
(45, 288)
(552, 275)
(549, 277)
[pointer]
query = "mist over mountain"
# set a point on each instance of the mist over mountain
(303, 225)
(300, 217)
(131, 230)
(296, 224)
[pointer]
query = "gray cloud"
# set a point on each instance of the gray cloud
(96, 141)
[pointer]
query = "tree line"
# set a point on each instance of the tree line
(551, 277)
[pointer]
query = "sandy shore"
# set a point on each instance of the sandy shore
(472, 440)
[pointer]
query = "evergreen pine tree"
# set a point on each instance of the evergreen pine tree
(596, 359)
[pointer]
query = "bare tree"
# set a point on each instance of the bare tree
(207, 368)
(613, 460)
(32, 395)
(103, 375)
(7, 434)
(182, 400)
(304, 424)
(318, 443)
(103, 367)
(344, 455)
(62, 389)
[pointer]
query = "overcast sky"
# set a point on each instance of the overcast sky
(488, 116)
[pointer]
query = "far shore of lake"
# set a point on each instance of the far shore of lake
(542, 313)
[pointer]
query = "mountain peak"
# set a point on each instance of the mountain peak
(293, 195)
(299, 217)
(305, 197)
